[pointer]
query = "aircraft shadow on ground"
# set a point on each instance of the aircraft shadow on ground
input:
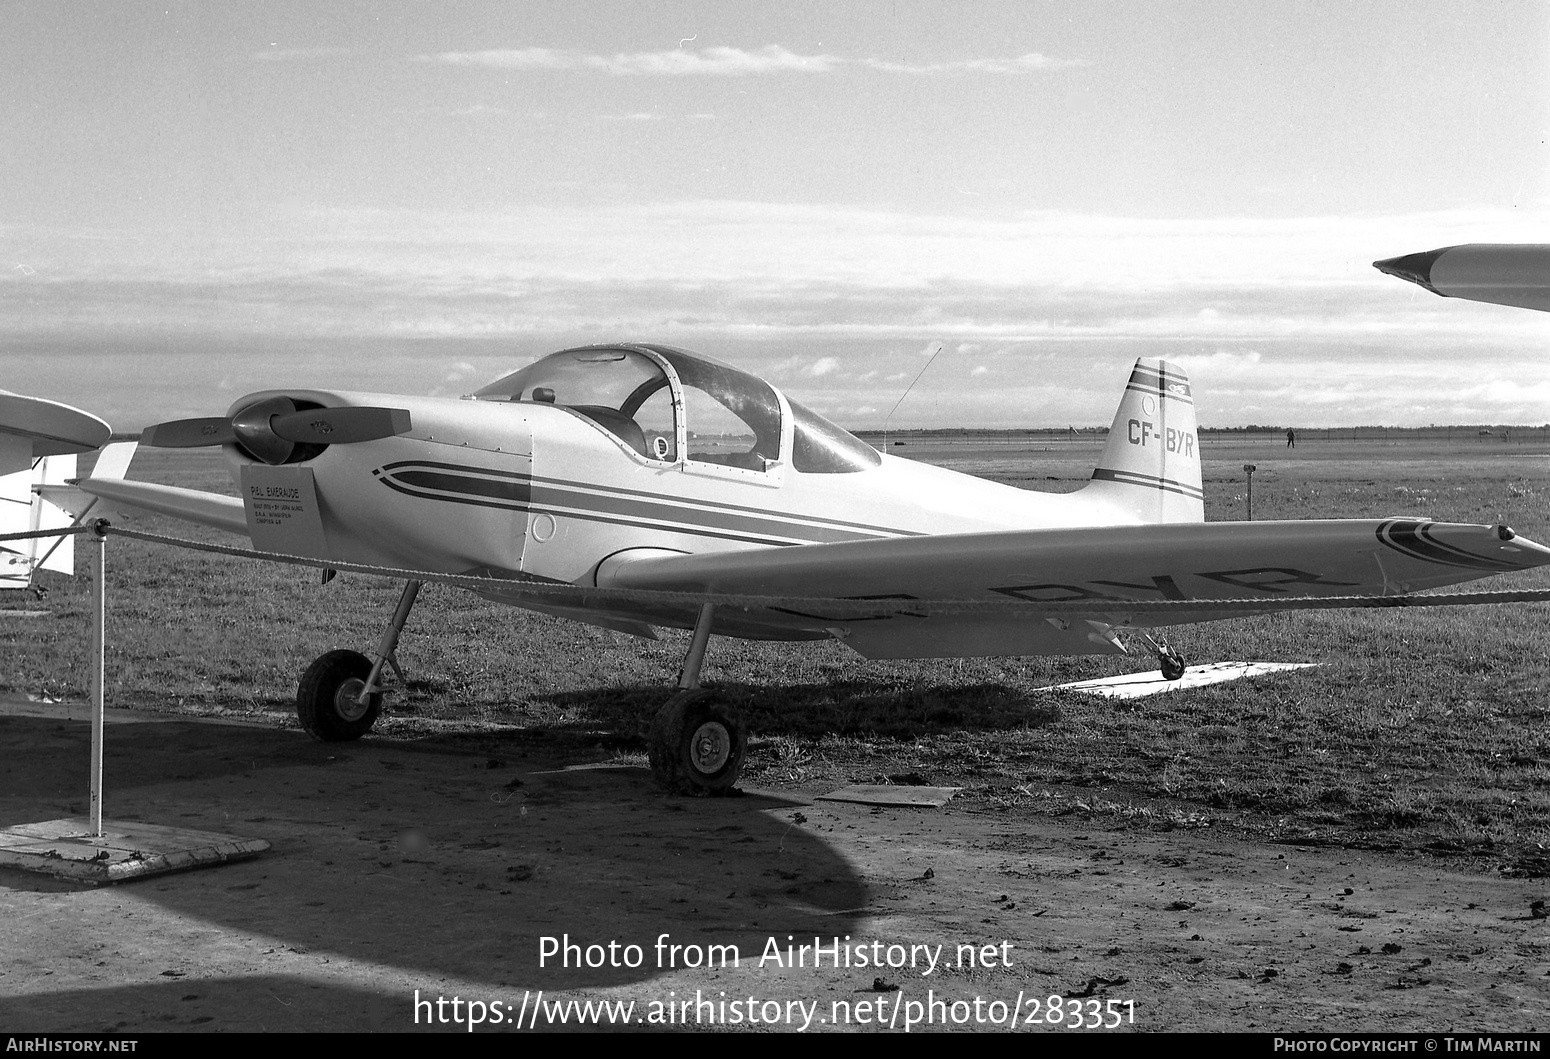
(265, 1003)
(447, 864)
(842, 708)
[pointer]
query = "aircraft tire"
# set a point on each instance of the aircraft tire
(1172, 665)
(325, 697)
(696, 746)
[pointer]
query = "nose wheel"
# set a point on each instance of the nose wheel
(340, 695)
(329, 699)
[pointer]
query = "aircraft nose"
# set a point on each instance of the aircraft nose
(1417, 268)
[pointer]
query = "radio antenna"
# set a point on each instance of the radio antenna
(906, 393)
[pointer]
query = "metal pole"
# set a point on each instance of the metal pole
(98, 639)
(1250, 469)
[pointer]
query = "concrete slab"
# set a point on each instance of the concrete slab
(16, 706)
(1136, 685)
(67, 848)
(891, 794)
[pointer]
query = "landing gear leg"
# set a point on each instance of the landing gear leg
(696, 746)
(340, 695)
(387, 646)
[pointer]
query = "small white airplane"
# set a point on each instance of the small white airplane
(1500, 273)
(39, 441)
(634, 485)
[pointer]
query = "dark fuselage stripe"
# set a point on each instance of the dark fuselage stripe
(1415, 540)
(489, 487)
(670, 512)
(437, 482)
(698, 505)
(856, 530)
(511, 493)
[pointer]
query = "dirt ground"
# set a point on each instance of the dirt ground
(435, 868)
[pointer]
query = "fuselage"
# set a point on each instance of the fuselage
(545, 491)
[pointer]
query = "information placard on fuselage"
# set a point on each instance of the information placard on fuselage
(282, 510)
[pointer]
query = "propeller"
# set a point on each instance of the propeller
(270, 429)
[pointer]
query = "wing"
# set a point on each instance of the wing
(1075, 585)
(47, 428)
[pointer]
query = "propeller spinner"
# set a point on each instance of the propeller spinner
(269, 430)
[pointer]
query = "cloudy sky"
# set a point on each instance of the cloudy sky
(201, 199)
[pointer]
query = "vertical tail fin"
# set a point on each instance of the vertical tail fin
(1150, 468)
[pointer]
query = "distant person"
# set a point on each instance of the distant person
(1291, 438)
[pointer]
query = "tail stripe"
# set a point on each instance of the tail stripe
(1105, 474)
(1163, 382)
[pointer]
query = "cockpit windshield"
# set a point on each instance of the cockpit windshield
(823, 448)
(731, 418)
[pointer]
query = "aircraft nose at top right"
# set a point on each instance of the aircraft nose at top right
(1498, 273)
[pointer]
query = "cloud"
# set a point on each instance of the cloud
(699, 62)
(276, 54)
(730, 62)
(980, 370)
(836, 300)
(507, 58)
(1022, 64)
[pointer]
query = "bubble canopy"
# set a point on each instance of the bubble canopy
(730, 417)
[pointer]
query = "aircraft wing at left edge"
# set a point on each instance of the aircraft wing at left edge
(190, 505)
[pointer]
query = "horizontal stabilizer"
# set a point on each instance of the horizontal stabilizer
(190, 505)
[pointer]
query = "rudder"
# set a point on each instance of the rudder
(1150, 467)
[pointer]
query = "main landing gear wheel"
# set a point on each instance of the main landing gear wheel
(328, 697)
(1171, 663)
(696, 746)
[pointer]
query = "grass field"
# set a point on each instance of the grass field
(1426, 731)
